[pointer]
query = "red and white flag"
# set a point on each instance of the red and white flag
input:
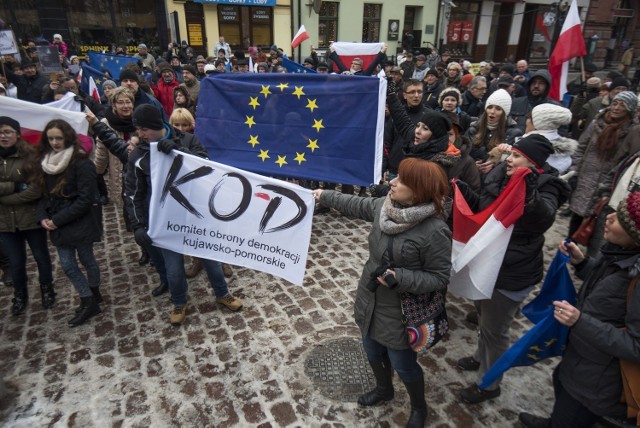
(367, 52)
(79, 77)
(34, 117)
(570, 45)
(480, 240)
(93, 89)
(300, 37)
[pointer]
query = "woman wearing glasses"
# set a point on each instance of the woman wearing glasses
(20, 191)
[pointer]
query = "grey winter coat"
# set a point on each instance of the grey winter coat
(423, 257)
(590, 366)
(590, 167)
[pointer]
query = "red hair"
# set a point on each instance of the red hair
(426, 179)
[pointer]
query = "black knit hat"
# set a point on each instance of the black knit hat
(6, 120)
(438, 123)
(190, 68)
(450, 92)
(128, 74)
(619, 81)
(509, 68)
(432, 71)
(148, 116)
(534, 147)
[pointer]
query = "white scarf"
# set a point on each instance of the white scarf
(549, 134)
(56, 162)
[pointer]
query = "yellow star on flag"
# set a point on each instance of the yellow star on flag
(250, 122)
(313, 144)
(254, 102)
(298, 91)
(264, 155)
(253, 140)
(282, 160)
(311, 104)
(282, 86)
(317, 124)
(300, 158)
(265, 91)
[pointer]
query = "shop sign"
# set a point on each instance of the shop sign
(195, 34)
(229, 14)
(260, 14)
(241, 2)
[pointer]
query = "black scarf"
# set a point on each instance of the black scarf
(6, 152)
(118, 124)
(429, 149)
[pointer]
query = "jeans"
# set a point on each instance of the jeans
(176, 279)
(13, 245)
(216, 277)
(81, 283)
(403, 361)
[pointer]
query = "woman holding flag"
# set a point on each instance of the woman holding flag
(605, 327)
(522, 265)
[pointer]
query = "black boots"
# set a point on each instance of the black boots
(48, 295)
(418, 403)
(19, 301)
(96, 294)
(384, 385)
(88, 309)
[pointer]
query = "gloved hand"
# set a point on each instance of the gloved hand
(472, 198)
(21, 186)
(531, 180)
(392, 88)
(142, 237)
(165, 146)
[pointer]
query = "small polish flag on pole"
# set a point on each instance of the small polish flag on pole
(300, 37)
(570, 45)
(93, 89)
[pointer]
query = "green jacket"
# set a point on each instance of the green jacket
(17, 209)
(423, 254)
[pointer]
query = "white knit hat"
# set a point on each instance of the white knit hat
(549, 117)
(500, 98)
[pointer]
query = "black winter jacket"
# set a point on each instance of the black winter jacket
(29, 87)
(521, 106)
(590, 367)
(522, 265)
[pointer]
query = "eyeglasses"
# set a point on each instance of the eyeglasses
(7, 132)
(123, 103)
(416, 92)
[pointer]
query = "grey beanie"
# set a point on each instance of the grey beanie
(109, 83)
(629, 99)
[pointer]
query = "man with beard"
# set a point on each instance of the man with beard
(164, 89)
(191, 82)
(130, 80)
(537, 89)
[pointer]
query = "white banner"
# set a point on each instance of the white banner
(213, 211)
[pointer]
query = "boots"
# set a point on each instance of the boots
(89, 308)
(384, 385)
(48, 295)
(418, 403)
(96, 293)
(19, 301)
(194, 269)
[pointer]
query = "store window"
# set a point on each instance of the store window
(371, 23)
(230, 24)
(243, 26)
(261, 26)
(544, 30)
(460, 31)
(328, 26)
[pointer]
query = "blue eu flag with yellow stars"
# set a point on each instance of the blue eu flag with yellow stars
(114, 63)
(294, 67)
(307, 126)
(548, 337)
(98, 77)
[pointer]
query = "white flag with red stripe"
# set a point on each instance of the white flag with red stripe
(480, 240)
(367, 52)
(300, 37)
(93, 89)
(34, 117)
(570, 45)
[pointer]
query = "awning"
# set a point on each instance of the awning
(240, 2)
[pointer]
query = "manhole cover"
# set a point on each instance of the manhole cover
(339, 369)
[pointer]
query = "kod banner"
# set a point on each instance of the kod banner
(213, 211)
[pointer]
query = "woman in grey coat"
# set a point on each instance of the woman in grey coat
(412, 217)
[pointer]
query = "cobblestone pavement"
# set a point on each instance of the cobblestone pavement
(129, 367)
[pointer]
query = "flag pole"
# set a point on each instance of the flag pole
(582, 67)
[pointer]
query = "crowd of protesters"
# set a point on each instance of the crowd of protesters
(443, 124)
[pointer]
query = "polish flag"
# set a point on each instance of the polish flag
(570, 45)
(300, 37)
(93, 89)
(79, 77)
(367, 52)
(480, 240)
(34, 117)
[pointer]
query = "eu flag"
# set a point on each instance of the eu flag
(308, 126)
(114, 63)
(294, 67)
(98, 77)
(548, 337)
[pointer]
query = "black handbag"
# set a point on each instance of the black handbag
(424, 315)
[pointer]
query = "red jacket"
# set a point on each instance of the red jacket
(164, 93)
